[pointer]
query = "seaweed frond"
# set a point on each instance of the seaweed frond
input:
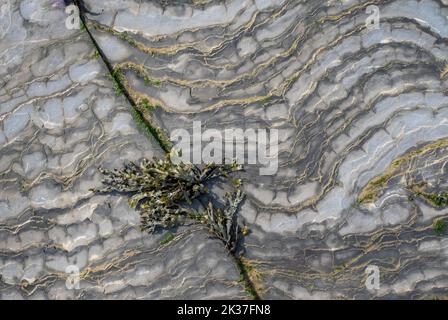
(223, 224)
(163, 191)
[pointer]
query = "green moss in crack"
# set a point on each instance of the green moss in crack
(148, 106)
(151, 82)
(245, 271)
(141, 72)
(151, 130)
(167, 238)
(117, 77)
(140, 121)
(439, 227)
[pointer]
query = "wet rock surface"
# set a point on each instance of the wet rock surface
(362, 119)
(60, 121)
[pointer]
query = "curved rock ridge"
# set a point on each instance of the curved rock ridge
(361, 113)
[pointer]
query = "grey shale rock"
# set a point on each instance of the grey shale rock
(362, 119)
(61, 120)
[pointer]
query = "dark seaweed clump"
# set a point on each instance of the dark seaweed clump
(163, 192)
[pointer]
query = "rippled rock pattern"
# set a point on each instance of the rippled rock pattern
(363, 120)
(60, 121)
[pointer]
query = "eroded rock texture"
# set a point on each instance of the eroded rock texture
(362, 115)
(60, 120)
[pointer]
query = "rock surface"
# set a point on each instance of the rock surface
(362, 118)
(60, 121)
